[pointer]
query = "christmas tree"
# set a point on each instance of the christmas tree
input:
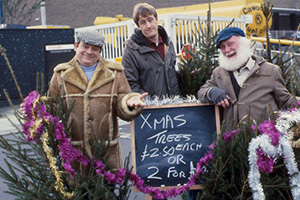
(40, 158)
(201, 58)
(39, 168)
(230, 172)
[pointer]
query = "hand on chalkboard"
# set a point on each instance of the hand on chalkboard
(224, 103)
(137, 101)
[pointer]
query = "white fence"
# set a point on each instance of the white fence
(183, 28)
(115, 36)
(179, 27)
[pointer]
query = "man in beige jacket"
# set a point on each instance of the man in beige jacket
(244, 81)
(99, 93)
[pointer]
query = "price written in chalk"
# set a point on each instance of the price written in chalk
(169, 143)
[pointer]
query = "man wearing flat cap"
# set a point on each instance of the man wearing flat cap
(99, 93)
(244, 81)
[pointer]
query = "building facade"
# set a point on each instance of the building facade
(78, 13)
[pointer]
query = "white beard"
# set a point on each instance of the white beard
(242, 55)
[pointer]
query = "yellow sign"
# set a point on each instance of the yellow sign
(258, 25)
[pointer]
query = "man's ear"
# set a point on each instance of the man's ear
(76, 44)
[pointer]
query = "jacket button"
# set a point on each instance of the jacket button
(156, 72)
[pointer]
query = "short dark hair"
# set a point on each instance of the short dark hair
(144, 10)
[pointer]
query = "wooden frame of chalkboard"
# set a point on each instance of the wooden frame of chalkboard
(167, 142)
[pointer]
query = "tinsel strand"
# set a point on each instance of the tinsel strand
(59, 186)
(273, 144)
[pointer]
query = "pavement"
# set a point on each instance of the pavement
(8, 120)
(9, 124)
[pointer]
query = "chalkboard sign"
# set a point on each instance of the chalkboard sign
(168, 141)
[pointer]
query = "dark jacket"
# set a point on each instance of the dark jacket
(144, 68)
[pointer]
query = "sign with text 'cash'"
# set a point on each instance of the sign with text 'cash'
(168, 141)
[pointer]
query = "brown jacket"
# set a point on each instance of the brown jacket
(263, 87)
(97, 104)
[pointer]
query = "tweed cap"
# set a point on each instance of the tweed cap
(226, 33)
(90, 37)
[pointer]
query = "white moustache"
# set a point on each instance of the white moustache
(242, 55)
(230, 53)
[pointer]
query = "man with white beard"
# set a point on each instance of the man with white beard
(244, 83)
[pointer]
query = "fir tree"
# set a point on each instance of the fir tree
(30, 177)
(195, 71)
(284, 57)
(227, 174)
(29, 174)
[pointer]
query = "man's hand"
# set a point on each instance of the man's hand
(219, 97)
(137, 101)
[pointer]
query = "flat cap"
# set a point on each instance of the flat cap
(226, 33)
(90, 37)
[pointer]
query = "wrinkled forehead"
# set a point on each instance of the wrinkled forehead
(233, 38)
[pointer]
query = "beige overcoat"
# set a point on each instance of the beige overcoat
(263, 87)
(97, 104)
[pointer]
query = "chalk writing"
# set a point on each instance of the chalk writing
(165, 122)
(170, 141)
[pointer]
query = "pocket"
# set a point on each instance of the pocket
(76, 128)
(103, 130)
(114, 157)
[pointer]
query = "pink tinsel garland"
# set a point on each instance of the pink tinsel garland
(69, 153)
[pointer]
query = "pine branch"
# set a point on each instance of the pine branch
(2, 50)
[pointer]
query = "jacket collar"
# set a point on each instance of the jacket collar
(224, 74)
(257, 69)
(74, 75)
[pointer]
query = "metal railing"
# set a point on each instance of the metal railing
(115, 36)
(183, 28)
(180, 29)
(280, 33)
